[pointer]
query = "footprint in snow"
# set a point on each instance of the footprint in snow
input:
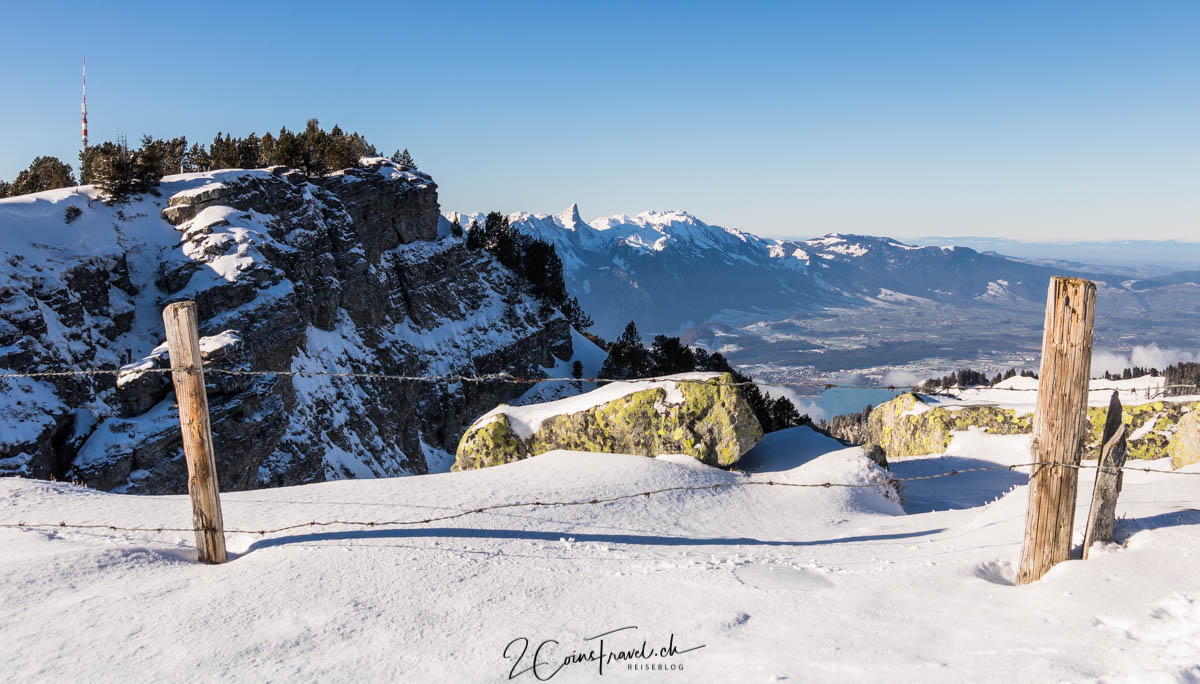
(736, 621)
(782, 577)
(997, 572)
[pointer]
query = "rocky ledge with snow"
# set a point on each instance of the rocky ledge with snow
(353, 272)
(918, 425)
(702, 415)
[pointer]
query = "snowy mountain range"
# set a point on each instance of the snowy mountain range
(669, 270)
(771, 301)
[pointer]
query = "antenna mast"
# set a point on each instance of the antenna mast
(85, 103)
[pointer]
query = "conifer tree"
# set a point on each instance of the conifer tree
(148, 166)
(289, 150)
(784, 414)
(44, 173)
(313, 142)
(669, 356)
(475, 236)
(248, 152)
(627, 358)
(404, 160)
(197, 159)
(112, 168)
(341, 151)
(575, 314)
(266, 150)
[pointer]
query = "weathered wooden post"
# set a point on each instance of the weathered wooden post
(183, 344)
(1113, 445)
(1058, 425)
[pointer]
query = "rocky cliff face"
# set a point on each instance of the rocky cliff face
(346, 274)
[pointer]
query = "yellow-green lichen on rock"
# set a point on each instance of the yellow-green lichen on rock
(1184, 448)
(906, 426)
(1152, 427)
(713, 423)
(489, 444)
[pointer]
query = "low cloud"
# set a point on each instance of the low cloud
(804, 405)
(901, 378)
(1147, 356)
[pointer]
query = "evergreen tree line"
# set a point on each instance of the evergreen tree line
(629, 359)
(972, 378)
(1187, 374)
(1131, 373)
(120, 170)
(969, 377)
(536, 260)
(45, 173)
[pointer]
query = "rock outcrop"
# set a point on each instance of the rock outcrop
(347, 273)
(710, 421)
(908, 426)
(1184, 447)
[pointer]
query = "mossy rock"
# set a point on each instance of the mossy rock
(490, 444)
(1184, 448)
(1152, 427)
(905, 427)
(714, 424)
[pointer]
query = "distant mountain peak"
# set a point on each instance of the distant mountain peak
(569, 218)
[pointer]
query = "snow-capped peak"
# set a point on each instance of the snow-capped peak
(569, 218)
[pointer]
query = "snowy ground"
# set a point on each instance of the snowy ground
(774, 582)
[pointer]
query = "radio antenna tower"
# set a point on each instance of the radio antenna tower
(85, 103)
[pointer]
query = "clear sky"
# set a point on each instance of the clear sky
(1039, 120)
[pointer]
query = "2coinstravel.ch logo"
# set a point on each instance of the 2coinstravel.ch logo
(543, 660)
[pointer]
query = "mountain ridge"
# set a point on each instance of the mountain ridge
(682, 258)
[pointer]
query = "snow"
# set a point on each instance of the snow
(893, 297)
(848, 250)
(650, 232)
(802, 584)
(193, 192)
(525, 420)
(1020, 394)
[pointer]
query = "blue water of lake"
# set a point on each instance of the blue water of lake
(836, 401)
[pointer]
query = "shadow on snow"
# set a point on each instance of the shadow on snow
(967, 490)
(538, 535)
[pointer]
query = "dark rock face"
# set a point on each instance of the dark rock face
(876, 454)
(347, 274)
(850, 428)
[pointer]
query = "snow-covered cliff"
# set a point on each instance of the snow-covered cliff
(352, 272)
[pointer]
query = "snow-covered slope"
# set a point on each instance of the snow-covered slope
(775, 583)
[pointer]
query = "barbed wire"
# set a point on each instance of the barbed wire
(1158, 391)
(890, 481)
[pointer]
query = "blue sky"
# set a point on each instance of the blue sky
(1025, 120)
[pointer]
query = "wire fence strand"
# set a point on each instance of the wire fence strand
(1151, 392)
(716, 486)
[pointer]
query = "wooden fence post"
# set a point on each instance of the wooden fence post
(1058, 425)
(1113, 446)
(183, 343)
